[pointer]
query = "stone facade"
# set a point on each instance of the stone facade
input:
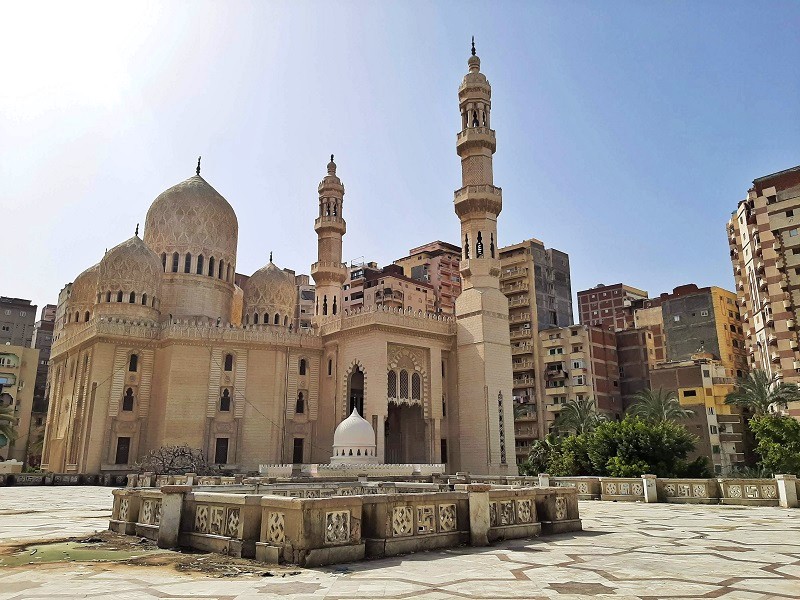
(163, 343)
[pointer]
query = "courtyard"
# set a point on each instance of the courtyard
(628, 550)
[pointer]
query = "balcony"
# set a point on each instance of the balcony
(522, 365)
(555, 373)
(519, 301)
(515, 288)
(520, 318)
(774, 357)
(513, 273)
(553, 408)
(790, 323)
(762, 284)
(522, 349)
(521, 333)
(760, 266)
(523, 381)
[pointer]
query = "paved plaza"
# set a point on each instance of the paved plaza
(626, 551)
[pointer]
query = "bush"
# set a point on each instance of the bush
(176, 460)
(777, 443)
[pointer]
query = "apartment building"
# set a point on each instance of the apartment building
(368, 285)
(42, 341)
(438, 264)
(611, 307)
(701, 384)
(304, 304)
(17, 321)
(651, 318)
(637, 357)
(17, 378)
(764, 238)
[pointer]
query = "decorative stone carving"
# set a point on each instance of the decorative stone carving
(751, 491)
(216, 522)
(337, 527)
(669, 490)
(201, 519)
(699, 490)
(769, 491)
(402, 521)
(561, 508)
(684, 490)
(583, 487)
(524, 512)
(624, 488)
(611, 488)
(493, 514)
(507, 513)
(124, 505)
(735, 491)
(425, 519)
(234, 523)
(147, 511)
(637, 489)
(447, 517)
(276, 529)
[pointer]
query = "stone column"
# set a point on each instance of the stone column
(478, 513)
(544, 480)
(787, 491)
(171, 509)
(650, 490)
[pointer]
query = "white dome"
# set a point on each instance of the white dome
(354, 431)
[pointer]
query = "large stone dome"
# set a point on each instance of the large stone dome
(268, 292)
(83, 296)
(193, 217)
(130, 273)
(354, 441)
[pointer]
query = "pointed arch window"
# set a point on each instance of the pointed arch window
(334, 305)
(200, 264)
(404, 384)
(144, 299)
(132, 298)
(491, 244)
(286, 321)
(266, 319)
(77, 316)
(175, 260)
(300, 405)
(119, 296)
(220, 270)
(133, 363)
(475, 122)
(277, 319)
(211, 267)
(391, 390)
(229, 362)
(164, 261)
(228, 271)
(108, 296)
(187, 263)
(255, 318)
(86, 316)
(416, 387)
(466, 246)
(302, 367)
(225, 401)
(325, 305)
(247, 320)
(127, 400)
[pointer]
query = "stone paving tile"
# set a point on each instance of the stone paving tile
(629, 552)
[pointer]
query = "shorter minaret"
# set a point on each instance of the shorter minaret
(329, 272)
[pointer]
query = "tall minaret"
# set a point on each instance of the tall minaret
(485, 401)
(328, 272)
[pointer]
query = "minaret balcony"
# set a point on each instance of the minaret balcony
(476, 136)
(478, 198)
(328, 271)
(330, 223)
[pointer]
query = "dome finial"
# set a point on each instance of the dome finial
(136, 233)
(473, 45)
(331, 167)
(270, 256)
(198, 165)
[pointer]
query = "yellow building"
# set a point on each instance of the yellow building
(17, 377)
(159, 346)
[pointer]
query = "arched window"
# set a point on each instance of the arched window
(229, 362)
(356, 391)
(119, 296)
(479, 246)
(153, 302)
(277, 320)
(228, 271)
(211, 267)
(144, 299)
(302, 368)
(475, 119)
(404, 384)
(392, 385)
(286, 321)
(416, 387)
(255, 318)
(127, 400)
(325, 305)
(466, 246)
(108, 296)
(164, 261)
(300, 405)
(266, 318)
(187, 263)
(77, 316)
(330, 367)
(225, 401)
(133, 363)
(491, 244)
(132, 298)
(200, 264)
(86, 316)
(220, 270)
(334, 305)
(175, 260)
(98, 298)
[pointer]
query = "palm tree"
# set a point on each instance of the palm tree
(658, 406)
(762, 393)
(8, 423)
(578, 416)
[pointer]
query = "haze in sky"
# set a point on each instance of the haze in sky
(627, 131)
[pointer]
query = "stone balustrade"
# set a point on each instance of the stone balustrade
(588, 488)
(630, 489)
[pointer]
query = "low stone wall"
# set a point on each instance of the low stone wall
(588, 487)
(370, 470)
(351, 521)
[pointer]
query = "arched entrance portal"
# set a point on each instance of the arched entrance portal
(405, 434)
(355, 392)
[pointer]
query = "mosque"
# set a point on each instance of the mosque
(159, 346)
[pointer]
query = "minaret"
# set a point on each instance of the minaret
(485, 401)
(328, 272)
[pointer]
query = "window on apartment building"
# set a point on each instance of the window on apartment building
(676, 318)
(789, 213)
(793, 233)
(711, 410)
(703, 313)
(715, 449)
(712, 429)
(689, 393)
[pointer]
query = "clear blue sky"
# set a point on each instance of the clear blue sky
(627, 131)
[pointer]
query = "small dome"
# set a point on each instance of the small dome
(192, 217)
(270, 290)
(354, 432)
(84, 288)
(130, 267)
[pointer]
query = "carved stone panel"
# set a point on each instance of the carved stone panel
(447, 517)
(425, 519)
(402, 521)
(561, 508)
(337, 527)
(276, 529)
(524, 511)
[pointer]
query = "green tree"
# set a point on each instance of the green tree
(777, 443)
(658, 406)
(578, 416)
(634, 446)
(8, 423)
(539, 455)
(762, 393)
(571, 457)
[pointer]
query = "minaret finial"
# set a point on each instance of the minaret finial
(473, 45)
(331, 157)
(270, 256)
(137, 230)
(331, 167)
(198, 164)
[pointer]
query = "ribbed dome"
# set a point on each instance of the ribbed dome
(130, 267)
(354, 432)
(270, 290)
(192, 217)
(84, 288)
